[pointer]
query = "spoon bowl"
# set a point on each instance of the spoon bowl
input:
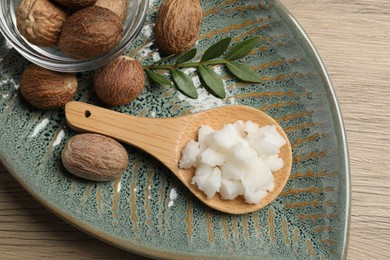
(165, 138)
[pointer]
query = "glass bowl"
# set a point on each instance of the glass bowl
(53, 58)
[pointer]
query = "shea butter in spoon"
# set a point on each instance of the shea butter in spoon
(237, 160)
(165, 139)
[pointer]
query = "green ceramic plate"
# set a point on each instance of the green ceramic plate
(148, 211)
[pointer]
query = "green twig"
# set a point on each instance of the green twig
(185, 65)
(207, 75)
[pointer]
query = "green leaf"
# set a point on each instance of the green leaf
(242, 49)
(212, 80)
(243, 72)
(164, 59)
(217, 49)
(189, 55)
(184, 83)
(158, 78)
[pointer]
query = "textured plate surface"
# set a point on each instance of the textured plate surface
(147, 210)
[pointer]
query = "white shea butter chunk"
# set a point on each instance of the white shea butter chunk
(238, 160)
(208, 179)
(189, 155)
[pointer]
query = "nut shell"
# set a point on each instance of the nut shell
(94, 157)
(76, 4)
(40, 22)
(90, 32)
(177, 25)
(119, 82)
(119, 7)
(46, 89)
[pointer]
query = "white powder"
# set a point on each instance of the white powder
(237, 160)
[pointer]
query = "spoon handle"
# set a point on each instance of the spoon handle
(154, 135)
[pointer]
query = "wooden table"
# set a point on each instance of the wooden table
(353, 38)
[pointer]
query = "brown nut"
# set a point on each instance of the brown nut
(94, 157)
(90, 32)
(40, 22)
(177, 25)
(76, 4)
(119, 7)
(46, 89)
(119, 82)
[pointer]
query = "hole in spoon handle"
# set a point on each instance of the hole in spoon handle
(87, 113)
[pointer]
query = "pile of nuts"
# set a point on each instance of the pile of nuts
(85, 29)
(82, 29)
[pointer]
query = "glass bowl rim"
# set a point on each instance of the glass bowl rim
(65, 64)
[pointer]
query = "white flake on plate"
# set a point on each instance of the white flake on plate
(156, 56)
(40, 127)
(218, 70)
(189, 71)
(59, 138)
(196, 81)
(119, 187)
(10, 81)
(147, 31)
(172, 197)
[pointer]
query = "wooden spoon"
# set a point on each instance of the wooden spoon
(164, 138)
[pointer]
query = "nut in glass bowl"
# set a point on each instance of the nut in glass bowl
(52, 57)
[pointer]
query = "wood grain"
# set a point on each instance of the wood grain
(353, 38)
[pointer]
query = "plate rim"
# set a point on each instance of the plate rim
(297, 30)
